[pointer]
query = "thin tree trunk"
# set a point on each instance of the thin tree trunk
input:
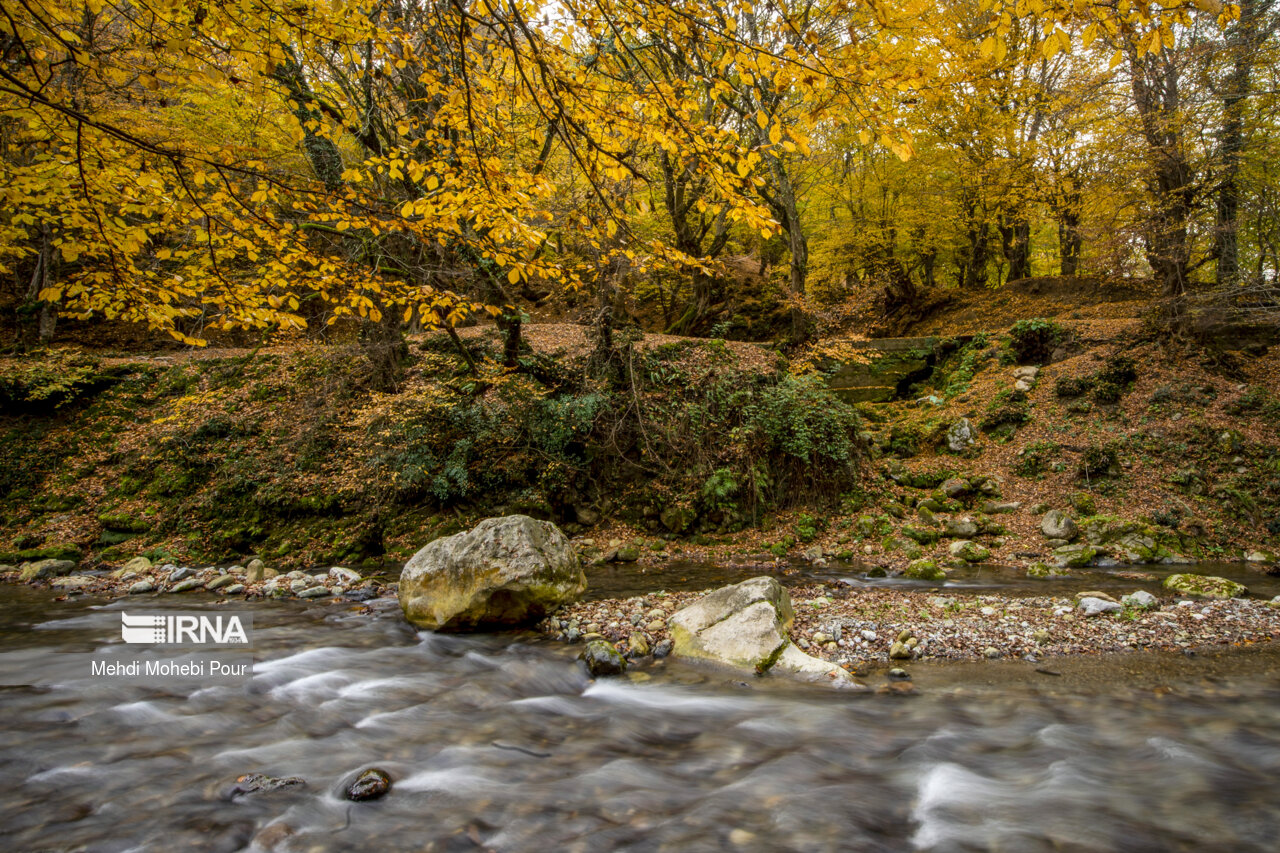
(1172, 179)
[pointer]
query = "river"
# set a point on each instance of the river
(501, 742)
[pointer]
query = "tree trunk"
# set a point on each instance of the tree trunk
(1171, 180)
(1070, 240)
(1015, 240)
(384, 346)
(41, 278)
(1242, 42)
(973, 267)
(510, 325)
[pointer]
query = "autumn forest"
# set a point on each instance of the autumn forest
(202, 167)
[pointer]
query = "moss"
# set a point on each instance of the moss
(48, 552)
(1204, 586)
(124, 523)
(926, 570)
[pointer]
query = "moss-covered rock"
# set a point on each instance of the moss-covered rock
(924, 570)
(969, 551)
(1204, 586)
(923, 535)
(121, 522)
(602, 659)
(1043, 571)
(1075, 556)
(41, 569)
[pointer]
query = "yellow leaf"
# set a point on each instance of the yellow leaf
(775, 134)
(514, 276)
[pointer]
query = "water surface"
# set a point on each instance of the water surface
(501, 742)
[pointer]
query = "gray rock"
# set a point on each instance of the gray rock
(186, 585)
(954, 487)
(234, 589)
(315, 592)
(812, 553)
(258, 783)
(137, 566)
(220, 581)
(662, 649)
(960, 436)
(343, 575)
(181, 574)
(1001, 507)
(41, 569)
(1091, 606)
(745, 626)
(602, 658)
(505, 571)
(255, 572)
(1027, 372)
(960, 529)
(1140, 600)
(72, 582)
(1056, 524)
(141, 587)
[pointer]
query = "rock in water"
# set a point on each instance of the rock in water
(259, 783)
(41, 569)
(1205, 586)
(505, 571)
(602, 658)
(369, 785)
(745, 626)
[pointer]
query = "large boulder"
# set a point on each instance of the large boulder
(1056, 524)
(41, 569)
(745, 626)
(1204, 586)
(503, 572)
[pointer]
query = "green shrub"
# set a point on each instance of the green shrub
(807, 528)
(48, 381)
(1120, 370)
(1084, 504)
(1098, 460)
(1033, 460)
(1072, 386)
(1033, 341)
(1009, 409)
(1107, 393)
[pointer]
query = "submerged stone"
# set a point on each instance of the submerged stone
(603, 659)
(369, 785)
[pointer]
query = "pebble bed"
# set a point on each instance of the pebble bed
(851, 628)
(857, 628)
(232, 582)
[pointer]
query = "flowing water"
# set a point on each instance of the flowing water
(501, 742)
